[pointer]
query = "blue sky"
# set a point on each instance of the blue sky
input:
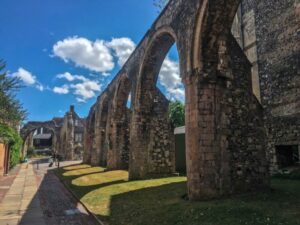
(66, 52)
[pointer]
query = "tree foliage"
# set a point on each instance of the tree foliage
(11, 110)
(160, 4)
(176, 114)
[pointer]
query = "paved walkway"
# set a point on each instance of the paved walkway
(58, 205)
(37, 197)
(21, 204)
(6, 181)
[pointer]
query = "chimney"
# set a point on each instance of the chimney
(72, 110)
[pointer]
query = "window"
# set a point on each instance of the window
(78, 137)
(287, 155)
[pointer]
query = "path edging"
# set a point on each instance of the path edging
(74, 195)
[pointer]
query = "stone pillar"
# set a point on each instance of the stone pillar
(207, 156)
(87, 145)
(70, 137)
(98, 150)
(152, 151)
(95, 151)
(117, 155)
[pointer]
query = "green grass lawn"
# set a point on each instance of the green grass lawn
(117, 201)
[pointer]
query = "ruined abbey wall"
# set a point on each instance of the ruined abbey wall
(278, 48)
(224, 129)
(270, 41)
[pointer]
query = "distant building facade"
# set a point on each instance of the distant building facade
(64, 136)
(70, 145)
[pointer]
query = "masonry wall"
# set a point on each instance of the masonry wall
(118, 140)
(161, 147)
(270, 41)
(89, 133)
(278, 65)
(278, 24)
(249, 167)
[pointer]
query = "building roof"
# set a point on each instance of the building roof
(42, 136)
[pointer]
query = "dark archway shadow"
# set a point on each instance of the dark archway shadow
(142, 205)
(167, 205)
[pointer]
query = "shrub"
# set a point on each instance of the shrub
(176, 114)
(13, 139)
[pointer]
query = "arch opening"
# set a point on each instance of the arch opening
(159, 83)
(39, 140)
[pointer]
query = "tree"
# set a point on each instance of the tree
(11, 110)
(160, 4)
(176, 114)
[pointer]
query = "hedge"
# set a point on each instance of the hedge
(13, 139)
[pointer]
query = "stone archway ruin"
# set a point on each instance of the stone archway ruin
(225, 137)
(27, 132)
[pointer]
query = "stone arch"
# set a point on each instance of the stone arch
(156, 51)
(28, 129)
(151, 137)
(118, 127)
(211, 32)
(224, 128)
(221, 112)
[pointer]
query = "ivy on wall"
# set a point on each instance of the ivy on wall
(13, 139)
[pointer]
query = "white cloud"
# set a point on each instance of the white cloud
(80, 86)
(123, 47)
(169, 78)
(69, 77)
(95, 56)
(40, 87)
(80, 100)
(86, 90)
(27, 77)
(61, 90)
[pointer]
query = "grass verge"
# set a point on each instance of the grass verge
(117, 201)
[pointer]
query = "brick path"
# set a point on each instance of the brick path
(37, 197)
(21, 205)
(6, 181)
(58, 205)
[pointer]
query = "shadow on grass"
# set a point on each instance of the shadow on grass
(164, 205)
(159, 201)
